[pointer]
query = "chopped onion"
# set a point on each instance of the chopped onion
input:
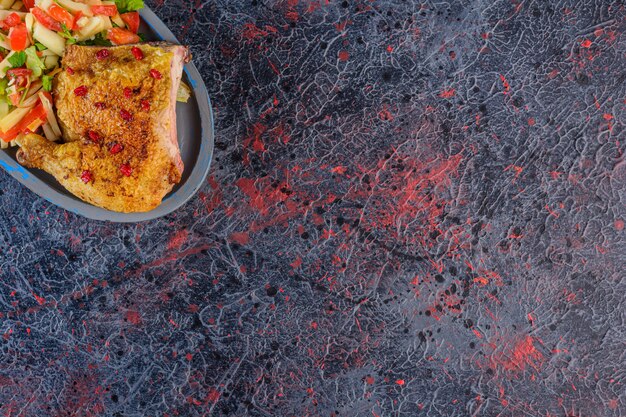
(49, 38)
(13, 118)
(52, 120)
(50, 135)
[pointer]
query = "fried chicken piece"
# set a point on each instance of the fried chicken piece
(117, 111)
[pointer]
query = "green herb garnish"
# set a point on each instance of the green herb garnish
(67, 35)
(124, 6)
(99, 40)
(17, 59)
(33, 62)
(46, 82)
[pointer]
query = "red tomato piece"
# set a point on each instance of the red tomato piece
(29, 4)
(121, 36)
(13, 19)
(37, 113)
(15, 98)
(18, 37)
(19, 72)
(61, 15)
(46, 20)
(105, 9)
(132, 21)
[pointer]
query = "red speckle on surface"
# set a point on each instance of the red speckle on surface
(385, 114)
(145, 105)
(40, 300)
(517, 356)
(400, 382)
(213, 395)
(253, 32)
(531, 122)
(586, 43)
(128, 92)
(607, 116)
(343, 55)
(292, 15)
(177, 239)
(296, 263)
(448, 93)
(155, 74)
(133, 317)
(619, 224)
(242, 238)
(69, 70)
(505, 84)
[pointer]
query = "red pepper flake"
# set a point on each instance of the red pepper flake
(125, 114)
(586, 43)
(128, 92)
(86, 176)
(94, 136)
(145, 105)
(69, 70)
(80, 91)
(137, 53)
(116, 148)
(99, 105)
(102, 54)
(155, 74)
(126, 170)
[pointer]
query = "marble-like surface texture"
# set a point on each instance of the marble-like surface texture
(414, 209)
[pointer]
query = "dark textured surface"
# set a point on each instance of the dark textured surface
(414, 210)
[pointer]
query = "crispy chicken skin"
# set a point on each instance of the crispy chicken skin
(118, 120)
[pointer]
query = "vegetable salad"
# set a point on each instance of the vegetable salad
(33, 37)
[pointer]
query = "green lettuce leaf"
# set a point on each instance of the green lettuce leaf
(17, 59)
(33, 62)
(124, 6)
(46, 82)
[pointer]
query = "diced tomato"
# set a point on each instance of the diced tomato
(132, 21)
(13, 19)
(46, 20)
(19, 72)
(61, 15)
(18, 36)
(77, 16)
(37, 114)
(105, 9)
(29, 4)
(15, 98)
(121, 36)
